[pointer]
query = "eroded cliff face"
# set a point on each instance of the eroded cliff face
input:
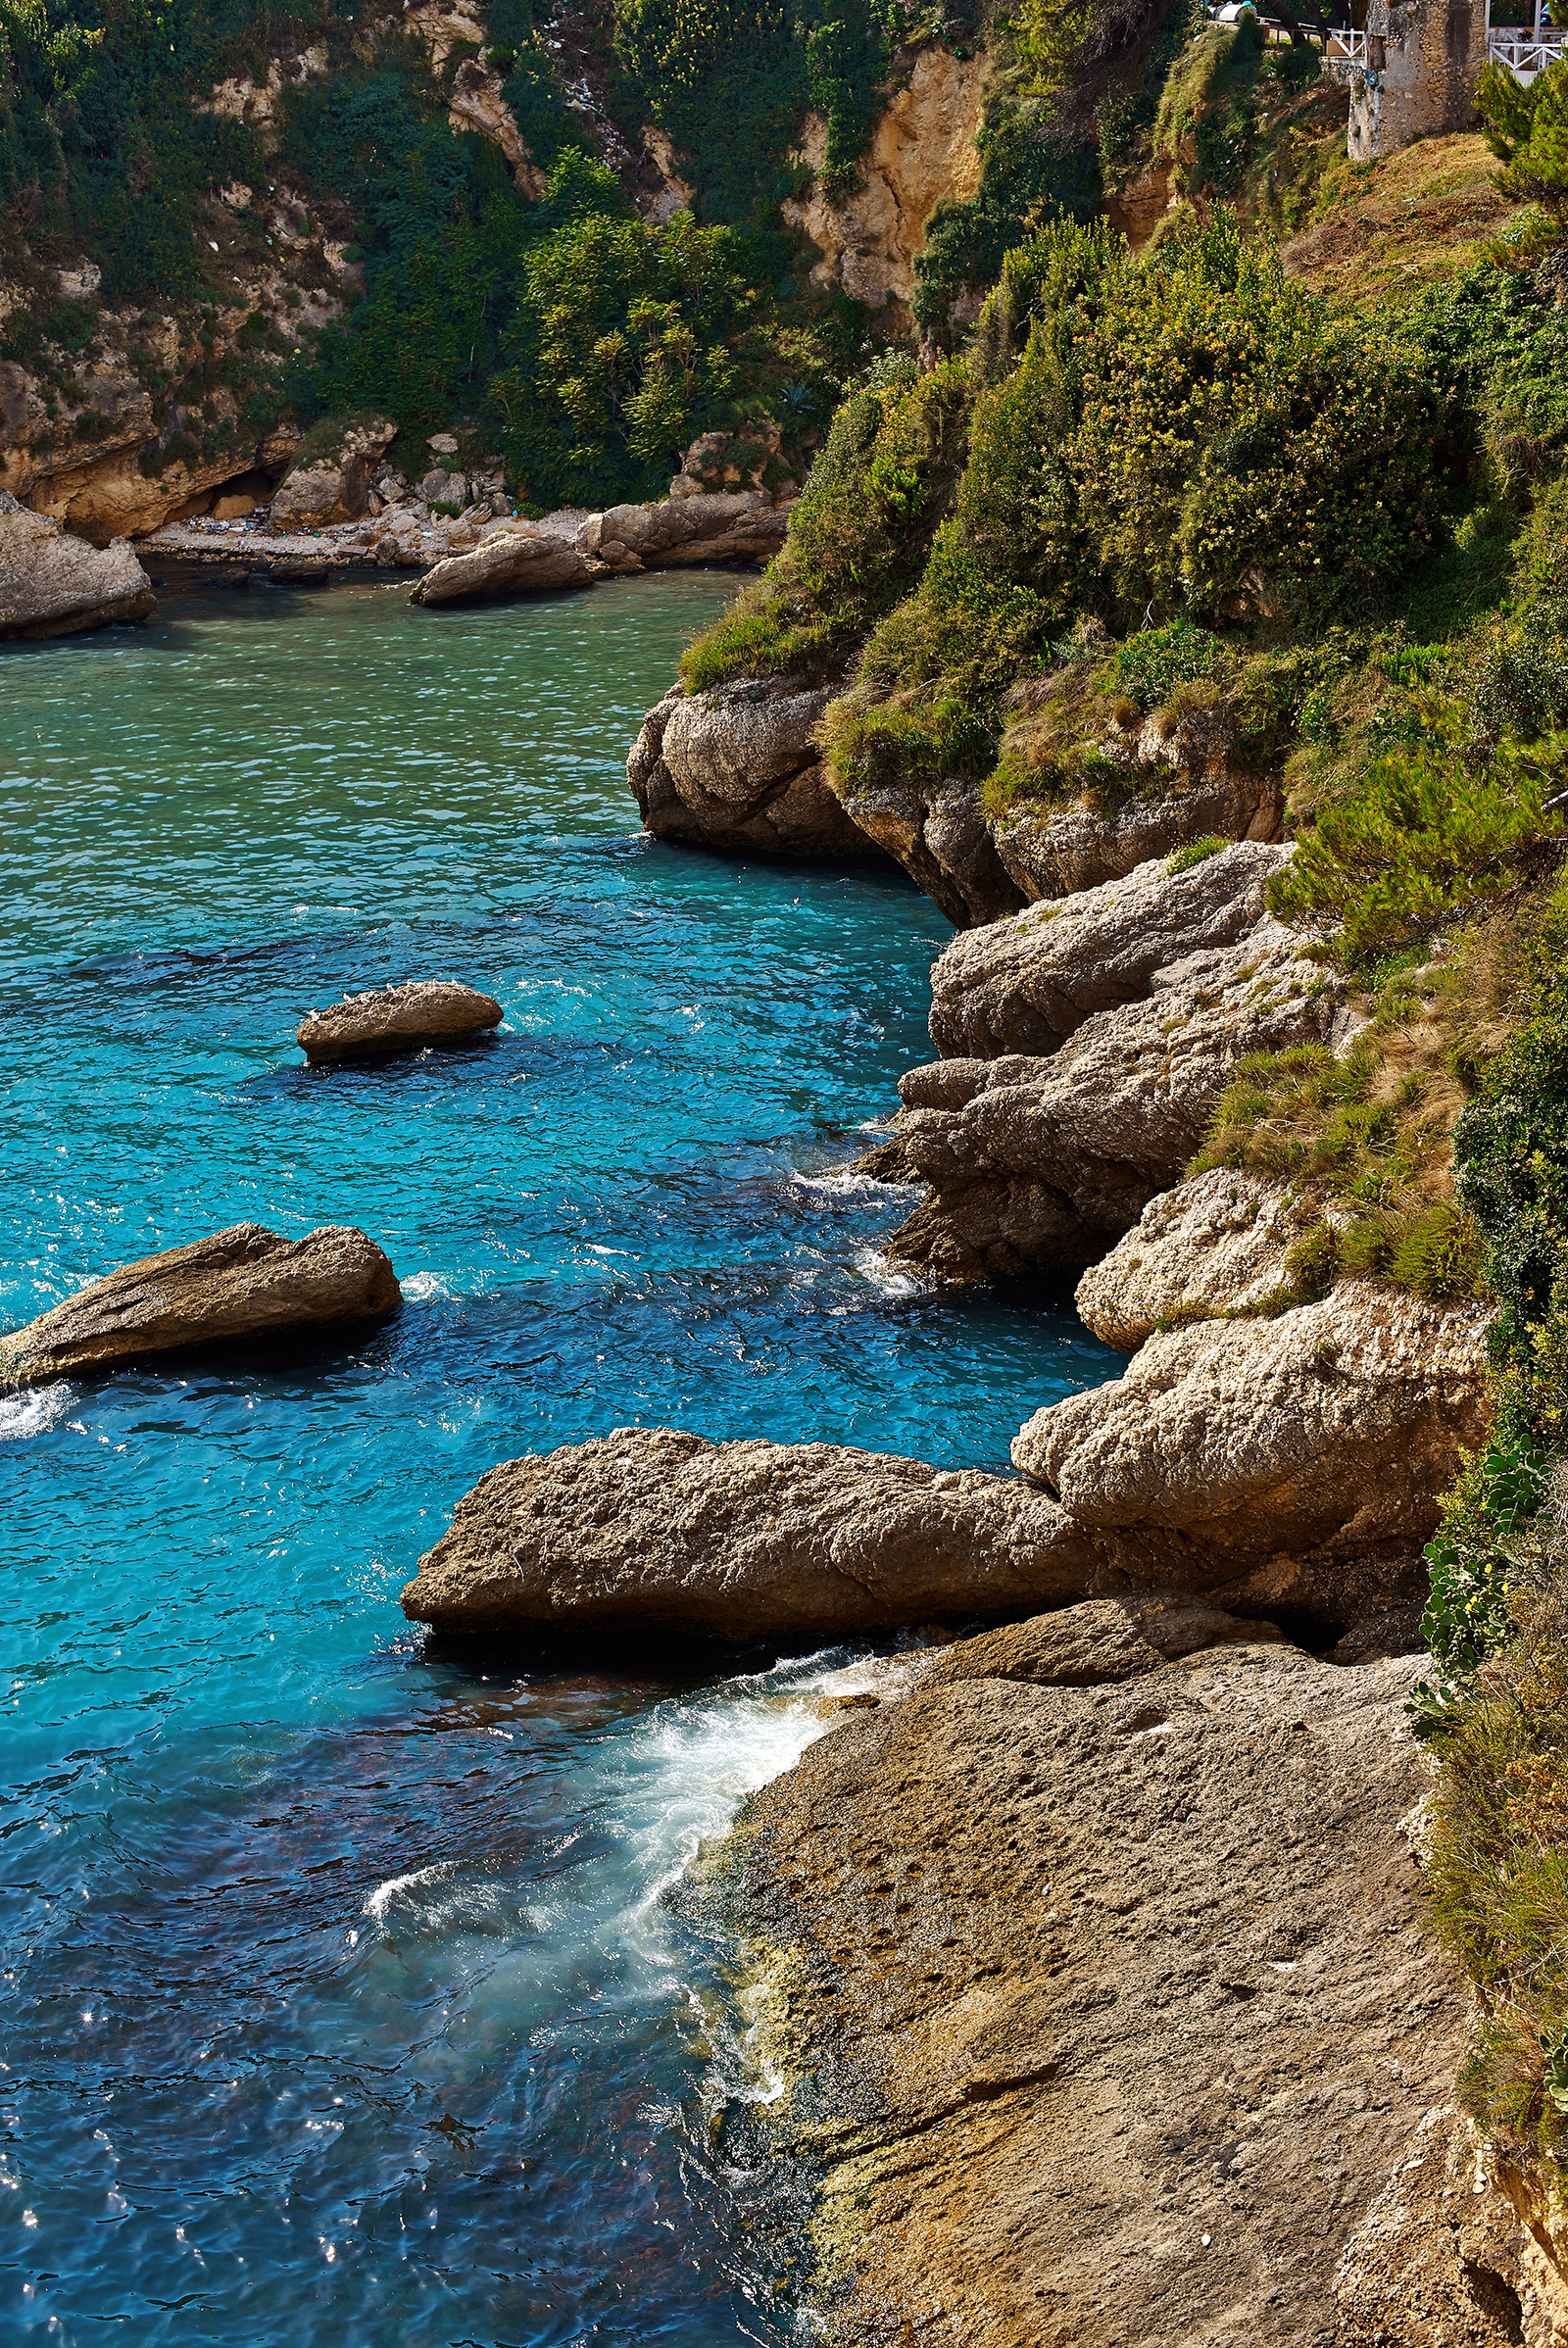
(922, 150)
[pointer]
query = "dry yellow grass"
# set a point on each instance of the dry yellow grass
(1386, 231)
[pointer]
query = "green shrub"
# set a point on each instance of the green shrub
(858, 536)
(1150, 665)
(1433, 833)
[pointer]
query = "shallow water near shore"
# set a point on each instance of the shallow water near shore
(340, 1986)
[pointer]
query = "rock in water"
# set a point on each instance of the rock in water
(245, 1282)
(388, 1019)
(741, 1539)
(737, 768)
(51, 584)
(1114, 2019)
(519, 560)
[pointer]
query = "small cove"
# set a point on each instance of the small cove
(314, 1935)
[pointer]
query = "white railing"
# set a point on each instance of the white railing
(1346, 47)
(1526, 54)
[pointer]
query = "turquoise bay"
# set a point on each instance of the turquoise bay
(341, 1986)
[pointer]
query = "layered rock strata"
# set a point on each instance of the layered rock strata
(51, 584)
(385, 1020)
(1055, 851)
(737, 768)
(740, 1541)
(242, 1284)
(943, 842)
(1217, 1244)
(1087, 1046)
(1109, 2012)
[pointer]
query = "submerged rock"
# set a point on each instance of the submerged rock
(1114, 2020)
(737, 768)
(391, 1019)
(51, 584)
(741, 1539)
(516, 559)
(1287, 1462)
(245, 1282)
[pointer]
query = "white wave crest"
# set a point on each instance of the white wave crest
(888, 1281)
(842, 1182)
(36, 1411)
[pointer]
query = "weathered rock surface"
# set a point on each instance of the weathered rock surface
(242, 1283)
(1078, 1646)
(516, 559)
(51, 584)
(336, 486)
(1042, 1160)
(1025, 984)
(1275, 1464)
(742, 525)
(740, 1540)
(943, 842)
(390, 1019)
(737, 768)
(1055, 852)
(1110, 2012)
(1217, 1244)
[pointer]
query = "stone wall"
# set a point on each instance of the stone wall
(1424, 58)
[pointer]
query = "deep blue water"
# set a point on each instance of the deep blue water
(339, 1990)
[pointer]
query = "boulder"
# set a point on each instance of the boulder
(1037, 1162)
(1027, 984)
(1216, 1245)
(943, 839)
(737, 768)
(442, 488)
(1108, 2017)
(1055, 851)
(1289, 1462)
(389, 1019)
(516, 559)
(723, 526)
(330, 484)
(51, 584)
(653, 1528)
(1078, 1646)
(242, 1283)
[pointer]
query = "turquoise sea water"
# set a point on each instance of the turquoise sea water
(339, 1984)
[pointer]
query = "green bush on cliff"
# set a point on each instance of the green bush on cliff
(859, 534)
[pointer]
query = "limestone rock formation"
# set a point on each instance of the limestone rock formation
(1217, 1244)
(741, 1539)
(1077, 1646)
(1055, 851)
(1025, 984)
(53, 584)
(516, 559)
(1111, 2020)
(737, 768)
(741, 525)
(334, 486)
(943, 839)
(389, 1019)
(922, 149)
(1042, 1160)
(245, 1283)
(1275, 1463)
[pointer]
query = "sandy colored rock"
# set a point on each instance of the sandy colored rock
(922, 149)
(1216, 1243)
(1046, 1159)
(1024, 985)
(53, 584)
(742, 525)
(1056, 851)
(741, 1539)
(1286, 1462)
(390, 1019)
(942, 838)
(737, 768)
(242, 1283)
(1079, 1646)
(516, 559)
(1111, 2016)
(333, 486)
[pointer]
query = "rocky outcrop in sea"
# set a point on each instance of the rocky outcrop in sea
(385, 1020)
(51, 584)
